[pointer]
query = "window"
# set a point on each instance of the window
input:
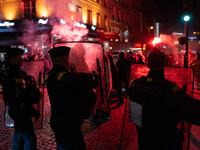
(105, 3)
(89, 16)
(78, 9)
(116, 30)
(29, 10)
(124, 18)
(105, 21)
(127, 20)
(113, 16)
(119, 17)
(98, 20)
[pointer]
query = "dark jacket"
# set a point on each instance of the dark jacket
(164, 105)
(13, 85)
(114, 72)
(123, 66)
(66, 91)
(14, 94)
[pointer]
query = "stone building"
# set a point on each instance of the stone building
(37, 24)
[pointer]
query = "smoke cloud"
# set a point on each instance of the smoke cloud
(168, 40)
(57, 10)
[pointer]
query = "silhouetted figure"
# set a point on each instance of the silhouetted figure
(123, 66)
(195, 64)
(158, 105)
(115, 84)
(15, 94)
(40, 55)
(140, 60)
(33, 57)
(71, 97)
(25, 58)
(132, 58)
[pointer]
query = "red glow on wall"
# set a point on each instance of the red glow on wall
(138, 45)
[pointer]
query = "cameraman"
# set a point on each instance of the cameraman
(71, 97)
(20, 109)
(162, 106)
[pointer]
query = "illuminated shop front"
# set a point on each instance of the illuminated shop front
(26, 34)
(75, 32)
(9, 33)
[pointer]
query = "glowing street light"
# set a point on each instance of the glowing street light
(156, 40)
(186, 18)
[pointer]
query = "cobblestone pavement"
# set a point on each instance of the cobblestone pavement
(102, 135)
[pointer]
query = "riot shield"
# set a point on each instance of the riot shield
(87, 57)
(183, 77)
(35, 69)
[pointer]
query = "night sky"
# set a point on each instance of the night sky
(171, 13)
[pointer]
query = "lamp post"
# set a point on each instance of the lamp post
(186, 19)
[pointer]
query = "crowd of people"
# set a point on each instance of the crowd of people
(160, 103)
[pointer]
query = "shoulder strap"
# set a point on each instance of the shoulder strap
(61, 74)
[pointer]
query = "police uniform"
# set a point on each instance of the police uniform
(68, 105)
(14, 94)
(163, 105)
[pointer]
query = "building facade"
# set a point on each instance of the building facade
(119, 25)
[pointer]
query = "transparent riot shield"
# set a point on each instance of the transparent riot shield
(87, 57)
(183, 77)
(35, 69)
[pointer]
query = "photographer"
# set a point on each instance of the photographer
(71, 97)
(15, 94)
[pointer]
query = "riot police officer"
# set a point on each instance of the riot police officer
(20, 108)
(71, 98)
(159, 106)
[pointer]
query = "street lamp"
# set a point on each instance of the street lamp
(186, 18)
(186, 10)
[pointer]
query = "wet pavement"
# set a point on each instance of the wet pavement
(102, 135)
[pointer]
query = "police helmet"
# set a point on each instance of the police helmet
(156, 59)
(13, 52)
(59, 51)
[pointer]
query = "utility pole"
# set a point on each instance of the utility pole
(186, 10)
(186, 44)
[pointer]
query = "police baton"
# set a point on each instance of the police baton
(99, 71)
